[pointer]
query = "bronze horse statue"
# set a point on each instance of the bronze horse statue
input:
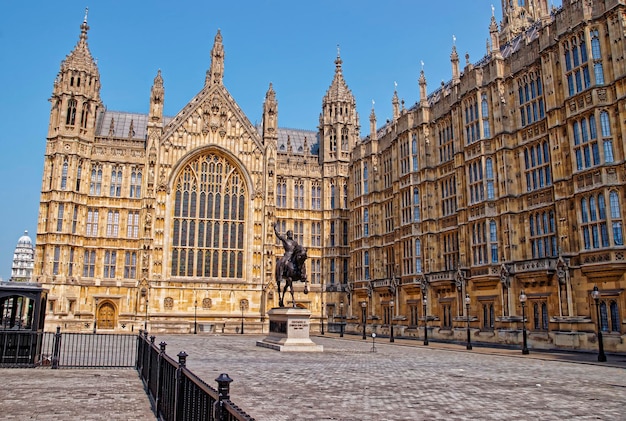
(293, 270)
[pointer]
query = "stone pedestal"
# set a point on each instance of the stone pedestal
(289, 331)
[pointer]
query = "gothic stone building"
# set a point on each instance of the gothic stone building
(505, 182)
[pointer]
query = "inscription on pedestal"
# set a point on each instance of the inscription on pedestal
(298, 324)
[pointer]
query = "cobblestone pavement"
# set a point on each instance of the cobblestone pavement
(346, 382)
(72, 394)
(406, 381)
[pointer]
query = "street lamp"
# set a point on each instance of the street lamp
(322, 320)
(95, 315)
(242, 304)
(391, 338)
(195, 317)
(596, 296)
(467, 306)
(363, 307)
(522, 299)
(341, 319)
(144, 294)
(425, 301)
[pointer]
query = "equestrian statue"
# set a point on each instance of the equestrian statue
(290, 266)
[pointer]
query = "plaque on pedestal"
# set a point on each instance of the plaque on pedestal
(289, 331)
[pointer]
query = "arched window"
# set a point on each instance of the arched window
(64, 175)
(70, 118)
(208, 234)
(365, 179)
(416, 205)
(366, 264)
(418, 256)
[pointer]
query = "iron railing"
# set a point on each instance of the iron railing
(176, 394)
(20, 348)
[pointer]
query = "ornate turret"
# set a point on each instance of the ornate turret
(516, 17)
(76, 92)
(395, 103)
(373, 134)
(270, 116)
(23, 259)
(422, 83)
(215, 74)
(339, 121)
(454, 59)
(157, 94)
(493, 32)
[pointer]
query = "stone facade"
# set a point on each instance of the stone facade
(508, 178)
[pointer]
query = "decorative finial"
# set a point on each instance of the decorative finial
(337, 50)
(86, 12)
(422, 62)
(493, 11)
(395, 85)
(453, 39)
(373, 103)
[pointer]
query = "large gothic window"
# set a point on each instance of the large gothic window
(208, 222)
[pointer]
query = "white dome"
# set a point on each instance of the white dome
(25, 240)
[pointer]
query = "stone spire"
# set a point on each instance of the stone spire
(422, 83)
(373, 134)
(216, 72)
(270, 115)
(395, 102)
(454, 59)
(157, 94)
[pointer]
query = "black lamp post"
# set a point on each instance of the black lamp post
(195, 317)
(363, 307)
(596, 296)
(144, 295)
(391, 304)
(522, 299)
(467, 307)
(242, 304)
(95, 315)
(322, 320)
(425, 301)
(341, 319)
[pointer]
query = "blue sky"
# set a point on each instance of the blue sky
(292, 44)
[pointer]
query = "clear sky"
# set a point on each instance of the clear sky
(292, 44)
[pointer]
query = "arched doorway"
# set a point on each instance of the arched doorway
(106, 316)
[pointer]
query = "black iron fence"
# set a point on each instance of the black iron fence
(67, 350)
(176, 394)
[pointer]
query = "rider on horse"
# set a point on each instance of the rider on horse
(289, 245)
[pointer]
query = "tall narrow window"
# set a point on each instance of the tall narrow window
(110, 258)
(281, 194)
(332, 271)
(60, 217)
(479, 243)
(89, 263)
(84, 115)
(70, 118)
(477, 191)
(130, 265)
(490, 181)
(64, 175)
(593, 225)
(333, 192)
(366, 264)
(75, 219)
(414, 155)
(113, 223)
(418, 256)
(56, 260)
(493, 241)
(92, 223)
(472, 128)
(332, 233)
(95, 184)
(366, 222)
(70, 263)
(316, 197)
(616, 219)
(116, 181)
(607, 139)
(135, 183)
(596, 55)
(417, 214)
(316, 234)
(298, 195)
(366, 182)
(79, 173)
(132, 224)
(484, 108)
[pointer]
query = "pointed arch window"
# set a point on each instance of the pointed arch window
(418, 255)
(414, 152)
(281, 194)
(484, 105)
(366, 264)
(208, 235)
(116, 181)
(84, 115)
(70, 118)
(607, 139)
(366, 222)
(135, 183)
(365, 179)
(417, 215)
(596, 55)
(490, 182)
(64, 175)
(95, 184)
